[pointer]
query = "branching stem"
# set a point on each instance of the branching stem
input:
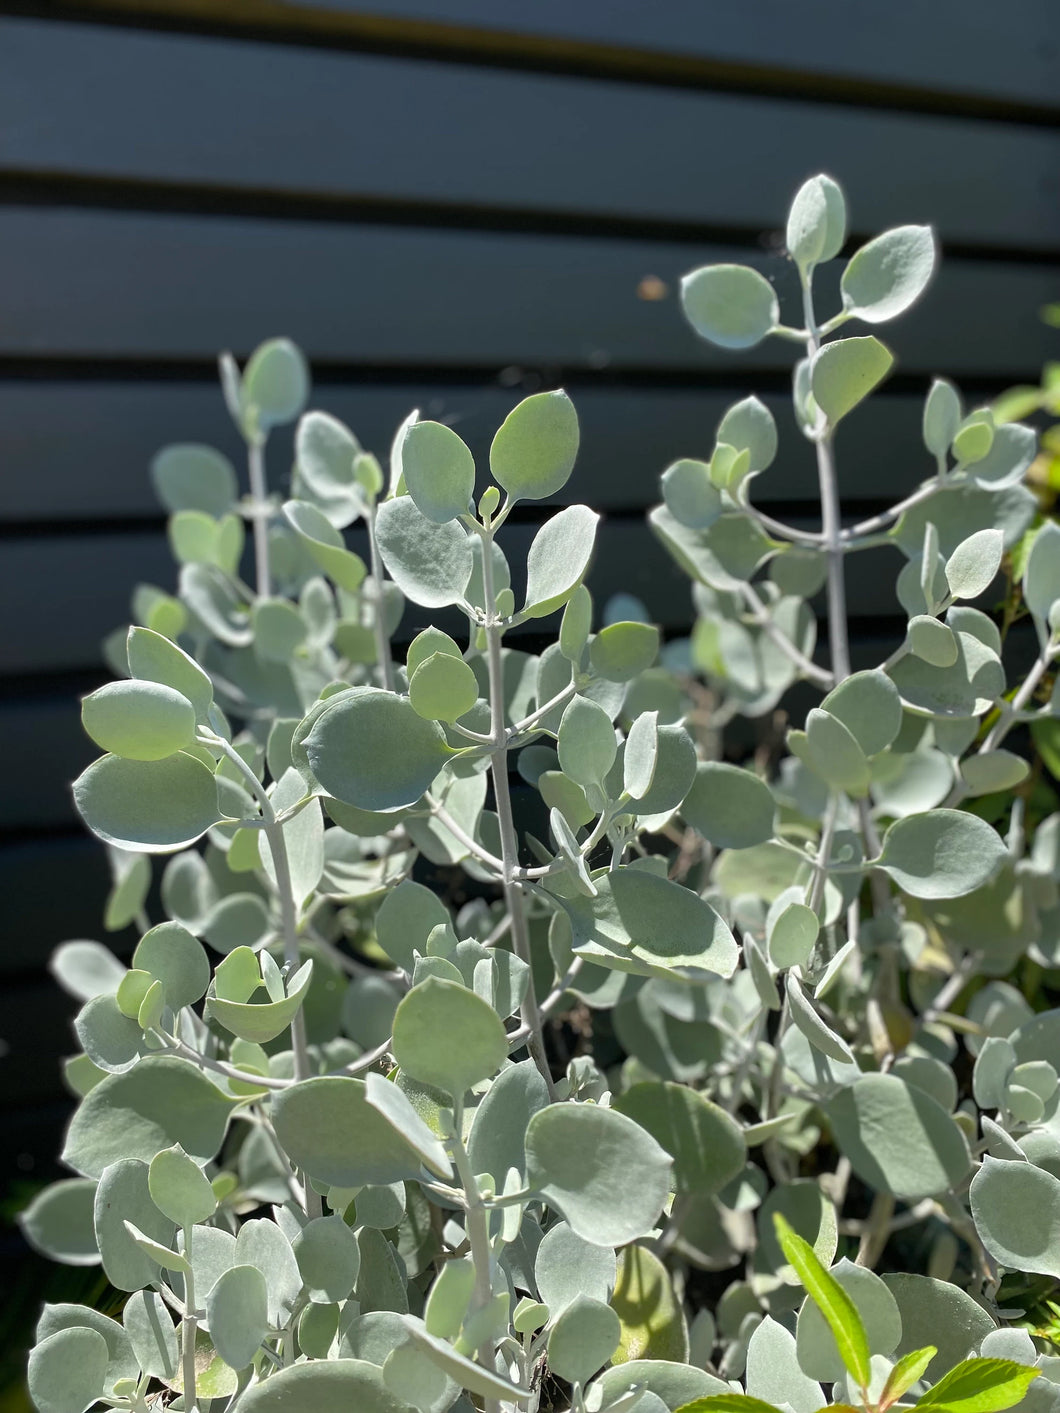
(259, 512)
(513, 894)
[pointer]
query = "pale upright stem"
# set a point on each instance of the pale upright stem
(513, 893)
(831, 527)
(259, 496)
(478, 1236)
(382, 642)
(188, 1327)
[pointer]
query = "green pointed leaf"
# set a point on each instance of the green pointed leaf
(443, 687)
(150, 806)
(153, 658)
(67, 1371)
(729, 806)
(728, 1403)
(161, 1101)
(275, 383)
(909, 1370)
(706, 1145)
(370, 749)
(817, 223)
(980, 1386)
(430, 563)
(445, 1035)
(816, 1347)
(439, 471)
(941, 854)
(583, 1339)
(190, 476)
(580, 1157)
(534, 450)
(731, 305)
(621, 651)
(327, 1127)
(890, 273)
(558, 559)
(831, 1299)
(897, 1137)
(845, 372)
(179, 1188)
(139, 720)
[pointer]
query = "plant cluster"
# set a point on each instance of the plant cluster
(327, 1141)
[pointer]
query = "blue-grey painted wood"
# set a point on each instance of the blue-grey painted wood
(164, 285)
(102, 571)
(81, 450)
(963, 48)
(292, 121)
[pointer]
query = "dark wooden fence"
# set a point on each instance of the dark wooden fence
(447, 204)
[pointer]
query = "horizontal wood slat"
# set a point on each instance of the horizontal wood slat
(165, 285)
(101, 573)
(290, 120)
(905, 52)
(81, 451)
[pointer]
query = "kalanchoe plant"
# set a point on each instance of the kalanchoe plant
(324, 1141)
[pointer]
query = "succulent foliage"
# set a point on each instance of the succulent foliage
(328, 1142)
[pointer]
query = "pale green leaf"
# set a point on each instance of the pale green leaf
(731, 305)
(558, 559)
(190, 476)
(580, 1157)
(144, 721)
(237, 1313)
(369, 748)
(941, 854)
(817, 222)
(445, 1035)
(898, 1138)
(845, 372)
(706, 1145)
(729, 806)
(328, 1127)
(439, 471)
(275, 383)
(887, 275)
(534, 450)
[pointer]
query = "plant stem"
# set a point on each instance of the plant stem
(513, 893)
(761, 616)
(382, 642)
(188, 1326)
(477, 1233)
(831, 526)
(259, 510)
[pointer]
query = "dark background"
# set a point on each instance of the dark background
(448, 205)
